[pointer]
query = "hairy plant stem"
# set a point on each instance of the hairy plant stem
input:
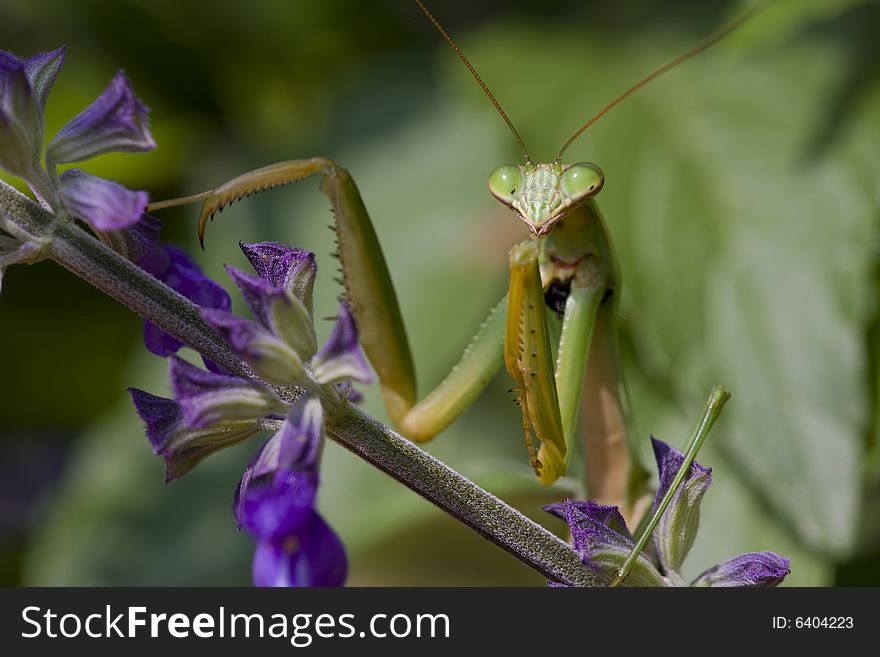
(119, 278)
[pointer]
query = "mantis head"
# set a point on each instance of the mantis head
(541, 194)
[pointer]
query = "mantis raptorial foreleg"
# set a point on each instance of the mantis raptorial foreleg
(373, 301)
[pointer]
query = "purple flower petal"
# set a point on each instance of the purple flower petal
(115, 122)
(162, 417)
(677, 528)
(160, 342)
(273, 492)
(286, 267)
(313, 557)
(207, 398)
(42, 71)
(301, 435)
(21, 119)
(103, 204)
(604, 514)
(183, 448)
(341, 358)
(271, 358)
(602, 548)
(750, 569)
(185, 276)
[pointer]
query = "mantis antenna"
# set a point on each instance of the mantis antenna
(710, 40)
(477, 77)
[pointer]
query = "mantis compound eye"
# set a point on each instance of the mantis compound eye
(582, 180)
(505, 182)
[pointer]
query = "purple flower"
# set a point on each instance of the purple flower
(280, 344)
(183, 447)
(749, 569)
(140, 243)
(275, 498)
(115, 122)
(275, 503)
(207, 398)
(285, 468)
(600, 536)
(271, 358)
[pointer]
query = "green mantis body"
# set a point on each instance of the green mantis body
(566, 266)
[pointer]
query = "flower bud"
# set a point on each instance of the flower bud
(115, 122)
(749, 569)
(183, 448)
(21, 119)
(678, 527)
(286, 267)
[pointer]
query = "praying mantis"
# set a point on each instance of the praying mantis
(565, 268)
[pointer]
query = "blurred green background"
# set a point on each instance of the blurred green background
(742, 193)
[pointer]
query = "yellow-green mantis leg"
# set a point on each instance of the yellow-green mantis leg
(373, 301)
(528, 360)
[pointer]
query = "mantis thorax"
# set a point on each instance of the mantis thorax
(541, 194)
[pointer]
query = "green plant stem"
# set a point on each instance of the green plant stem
(496, 521)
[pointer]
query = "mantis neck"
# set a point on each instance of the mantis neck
(580, 234)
